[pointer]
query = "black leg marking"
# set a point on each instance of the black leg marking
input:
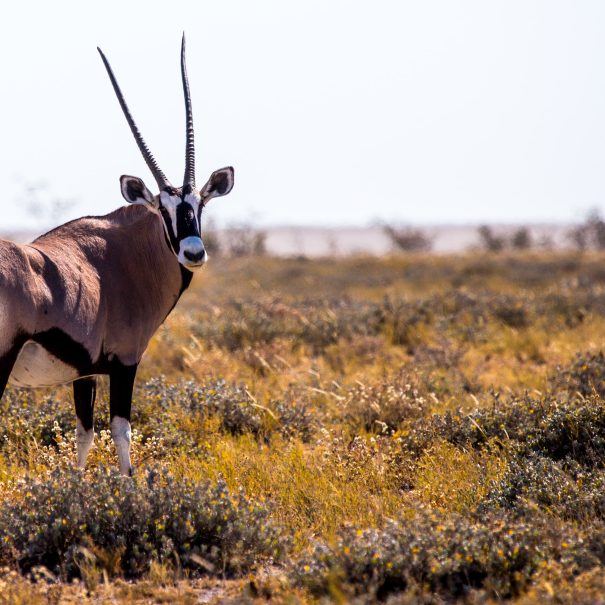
(121, 383)
(85, 390)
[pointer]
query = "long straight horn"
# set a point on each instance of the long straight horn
(159, 176)
(189, 178)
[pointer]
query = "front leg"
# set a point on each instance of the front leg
(85, 390)
(121, 383)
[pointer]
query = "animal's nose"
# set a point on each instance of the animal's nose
(195, 257)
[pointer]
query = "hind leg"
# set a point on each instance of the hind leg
(85, 390)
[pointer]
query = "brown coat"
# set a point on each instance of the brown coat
(107, 282)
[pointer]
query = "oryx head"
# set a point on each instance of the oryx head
(179, 207)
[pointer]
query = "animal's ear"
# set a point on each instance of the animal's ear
(135, 191)
(219, 183)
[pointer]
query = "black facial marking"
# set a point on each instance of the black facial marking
(186, 225)
(186, 277)
(174, 242)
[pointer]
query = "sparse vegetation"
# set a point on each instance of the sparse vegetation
(489, 240)
(589, 235)
(520, 239)
(408, 429)
(244, 240)
(407, 239)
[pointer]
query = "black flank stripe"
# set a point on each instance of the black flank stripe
(65, 348)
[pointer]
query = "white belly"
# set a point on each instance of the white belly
(36, 367)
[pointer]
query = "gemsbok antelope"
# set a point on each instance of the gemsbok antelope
(85, 298)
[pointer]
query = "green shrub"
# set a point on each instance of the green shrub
(510, 311)
(230, 403)
(573, 431)
(566, 490)
(296, 418)
(151, 518)
(27, 419)
(586, 375)
(444, 555)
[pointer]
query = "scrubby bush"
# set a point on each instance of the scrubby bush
(318, 323)
(572, 493)
(510, 312)
(244, 240)
(296, 419)
(521, 239)
(573, 431)
(55, 519)
(237, 413)
(589, 234)
(586, 375)
(444, 555)
(28, 418)
(490, 241)
(407, 239)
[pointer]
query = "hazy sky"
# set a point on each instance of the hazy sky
(432, 111)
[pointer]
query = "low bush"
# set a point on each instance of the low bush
(448, 556)
(571, 431)
(230, 403)
(568, 491)
(585, 375)
(296, 419)
(27, 419)
(65, 518)
(408, 239)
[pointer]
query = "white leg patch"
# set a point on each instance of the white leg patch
(84, 440)
(121, 435)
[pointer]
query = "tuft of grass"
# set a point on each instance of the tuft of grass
(450, 479)
(314, 491)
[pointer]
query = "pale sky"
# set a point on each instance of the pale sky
(331, 112)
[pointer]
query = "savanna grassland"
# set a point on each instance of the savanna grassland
(414, 429)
